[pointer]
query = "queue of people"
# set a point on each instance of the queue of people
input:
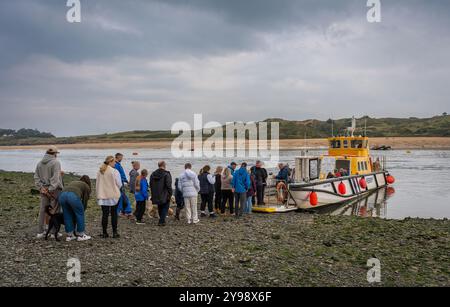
(228, 191)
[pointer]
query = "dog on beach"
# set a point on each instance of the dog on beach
(152, 210)
(56, 220)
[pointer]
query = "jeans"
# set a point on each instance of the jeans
(240, 200)
(124, 203)
(249, 204)
(227, 196)
(73, 210)
(163, 209)
(106, 211)
(207, 199)
(140, 210)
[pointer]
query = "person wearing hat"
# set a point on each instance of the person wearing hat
(48, 180)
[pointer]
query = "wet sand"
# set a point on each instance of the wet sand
(407, 143)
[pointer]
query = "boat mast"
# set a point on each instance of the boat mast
(365, 126)
(332, 128)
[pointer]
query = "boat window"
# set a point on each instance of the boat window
(335, 144)
(357, 143)
(314, 169)
(365, 166)
(345, 144)
(359, 166)
(343, 164)
(365, 144)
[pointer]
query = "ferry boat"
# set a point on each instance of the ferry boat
(347, 172)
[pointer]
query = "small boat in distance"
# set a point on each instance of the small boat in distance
(383, 147)
(345, 173)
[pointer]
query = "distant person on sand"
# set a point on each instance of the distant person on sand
(48, 180)
(227, 191)
(141, 195)
(189, 185)
(74, 200)
(207, 182)
(161, 191)
(108, 188)
(241, 184)
(261, 176)
(218, 189)
(124, 203)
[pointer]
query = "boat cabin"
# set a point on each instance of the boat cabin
(347, 155)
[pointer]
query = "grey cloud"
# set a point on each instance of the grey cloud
(145, 64)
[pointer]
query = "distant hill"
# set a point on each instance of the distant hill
(437, 126)
(13, 136)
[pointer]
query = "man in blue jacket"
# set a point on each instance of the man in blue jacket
(240, 184)
(283, 174)
(124, 207)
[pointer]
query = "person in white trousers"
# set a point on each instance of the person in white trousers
(189, 185)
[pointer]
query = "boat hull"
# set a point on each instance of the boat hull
(328, 190)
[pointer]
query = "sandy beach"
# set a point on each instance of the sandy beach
(407, 143)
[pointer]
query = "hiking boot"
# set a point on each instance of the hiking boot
(116, 235)
(140, 223)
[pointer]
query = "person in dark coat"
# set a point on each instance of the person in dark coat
(261, 176)
(161, 191)
(207, 182)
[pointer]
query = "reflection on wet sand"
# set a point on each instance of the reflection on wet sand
(372, 205)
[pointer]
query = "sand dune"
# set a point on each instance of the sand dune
(394, 142)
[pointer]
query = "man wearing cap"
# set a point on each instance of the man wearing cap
(48, 179)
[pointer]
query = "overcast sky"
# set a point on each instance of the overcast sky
(146, 64)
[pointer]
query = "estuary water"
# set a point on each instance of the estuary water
(422, 187)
